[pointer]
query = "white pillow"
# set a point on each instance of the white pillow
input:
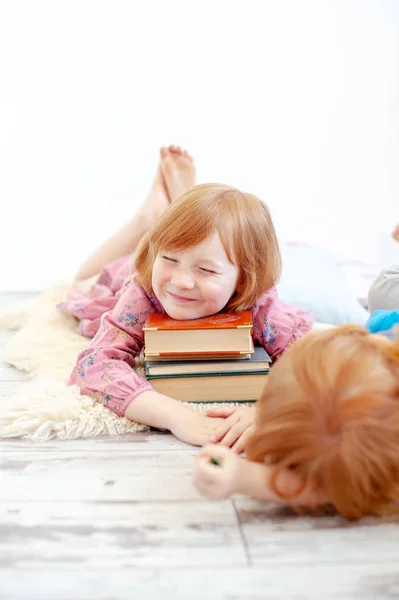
(312, 279)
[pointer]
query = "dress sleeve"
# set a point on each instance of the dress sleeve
(277, 325)
(105, 370)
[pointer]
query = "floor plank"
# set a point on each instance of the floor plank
(84, 475)
(355, 582)
(153, 440)
(276, 535)
(92, 535)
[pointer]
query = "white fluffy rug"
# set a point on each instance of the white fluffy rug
(46, 345)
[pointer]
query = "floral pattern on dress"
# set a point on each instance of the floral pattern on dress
(270, 333)
(87, 360)
(130, 319)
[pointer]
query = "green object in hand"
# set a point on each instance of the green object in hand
(214, 461)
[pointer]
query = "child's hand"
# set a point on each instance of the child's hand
(216, 481)
(237, 427)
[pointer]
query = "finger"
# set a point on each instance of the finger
(223, 429)
(220, 433)
(240, 444)
(220, 411)
(218, 437)
(219, 453)
(206, 471)
(233, 435)
(208, 451)
(209, 473)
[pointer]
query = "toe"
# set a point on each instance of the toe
(164, 151)
(167, 166)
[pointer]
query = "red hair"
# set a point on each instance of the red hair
(330, 412)
(243, 224)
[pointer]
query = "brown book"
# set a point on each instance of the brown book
(224, 334)
(234, 387)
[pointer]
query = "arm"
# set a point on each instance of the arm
(278, 325)
(254, 480)
(236, 475)
(231, 475)
(105, 369)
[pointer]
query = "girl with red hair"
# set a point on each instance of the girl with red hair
(326, 430)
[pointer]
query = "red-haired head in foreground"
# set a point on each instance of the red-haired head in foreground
(330, 412)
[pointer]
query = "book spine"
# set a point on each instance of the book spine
(215, 354)
(260, 372)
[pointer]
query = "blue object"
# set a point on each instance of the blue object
(382, 321)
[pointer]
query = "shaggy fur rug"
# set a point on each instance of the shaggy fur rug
(45, 344)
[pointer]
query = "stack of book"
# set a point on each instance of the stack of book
(205, 360)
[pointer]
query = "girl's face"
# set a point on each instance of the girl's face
(193, 283)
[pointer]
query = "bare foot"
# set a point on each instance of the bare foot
(194, 427)
(395, 233)
(156, 202)
(178, 170)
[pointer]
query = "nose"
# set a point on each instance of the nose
(183, 280)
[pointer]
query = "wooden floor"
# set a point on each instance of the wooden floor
(118, 518)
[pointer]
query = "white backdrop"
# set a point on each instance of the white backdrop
(296, 101)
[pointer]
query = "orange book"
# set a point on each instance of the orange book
(224, 334)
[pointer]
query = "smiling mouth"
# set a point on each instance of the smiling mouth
(181, 299)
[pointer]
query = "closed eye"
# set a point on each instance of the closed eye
(168, 258)
(207, 271)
